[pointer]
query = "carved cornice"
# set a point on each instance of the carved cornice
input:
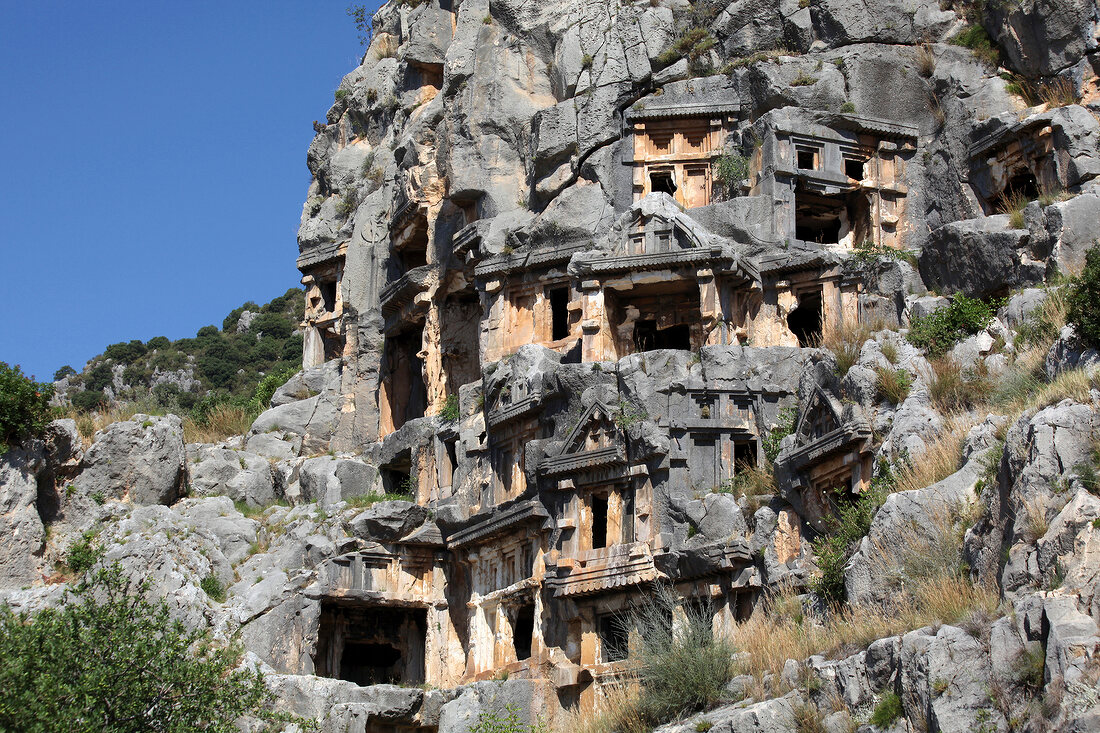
(584, 460)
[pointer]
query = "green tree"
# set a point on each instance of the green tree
(109, 660)
(24, 405)
(65, 371)
(1083, 299)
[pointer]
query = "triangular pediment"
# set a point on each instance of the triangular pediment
(595, 430)
(821, 417)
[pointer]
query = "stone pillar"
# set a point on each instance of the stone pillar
(313, 348)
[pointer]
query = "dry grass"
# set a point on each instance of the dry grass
(1012, 202)
(1059, 93)
(893, 385)
(752, 482)
(1035, 519)
(931, 589)
(617, 711)
(954, 388)
(926, 60)
(88, 423)
(220, 423)
(845, 340)
(942, 456)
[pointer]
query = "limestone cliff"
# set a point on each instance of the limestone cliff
(604, 297)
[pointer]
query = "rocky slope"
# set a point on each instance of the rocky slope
(453, 413)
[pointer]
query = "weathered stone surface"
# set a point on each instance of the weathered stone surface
(979, 256)
(240, 475)
(141, 459)
(389, 520)
(22, 534)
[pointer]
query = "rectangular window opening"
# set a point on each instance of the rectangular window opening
(328, 294)
(614, 638)
(524, 631)
(853, 168)
(559, 313)
(744, 454)
(599, 521)
(806, 158)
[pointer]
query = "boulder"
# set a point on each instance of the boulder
(1068, 352)
(142, 459)
(240, 475)
(388, 521)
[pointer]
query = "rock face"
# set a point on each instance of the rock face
(142, 459)
(603, 296)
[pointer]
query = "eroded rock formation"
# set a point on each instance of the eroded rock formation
(568, 267)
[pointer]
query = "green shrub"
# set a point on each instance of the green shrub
(506, 721)
(109, 660)
(1083, 299)
(266, 387)
(450, 409)
(682, 668)
(944, 327)
(785, 423)
(84, 553)
(125, 353)
(24, 406)
(848, 108)
(99, 378)
(730, 169)
(213, 587)
(886, 711)
(65, 371)
(157, 342)
(977, 40)
(851, 523)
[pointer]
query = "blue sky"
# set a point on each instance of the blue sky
(152, 163)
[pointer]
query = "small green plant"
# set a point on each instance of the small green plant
(99, 498)
(487, 20)
(84, 553)
(348, 203)
(1096, 523)
(586, 61)
(340, 94)
(867, 253)
(506, 721)
(628, 414)
(945, 326)
(368, 500)
(848, 108)
(24, 406)
(803, 80)
(450, 411)
(702, 726)
(851, 522)
(1029, 666)
(1083, 299)
(893, 385)
(978, 41)
(694, 44)
(886, 711)
(784, 426)
(729, 170)
(213, 587)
